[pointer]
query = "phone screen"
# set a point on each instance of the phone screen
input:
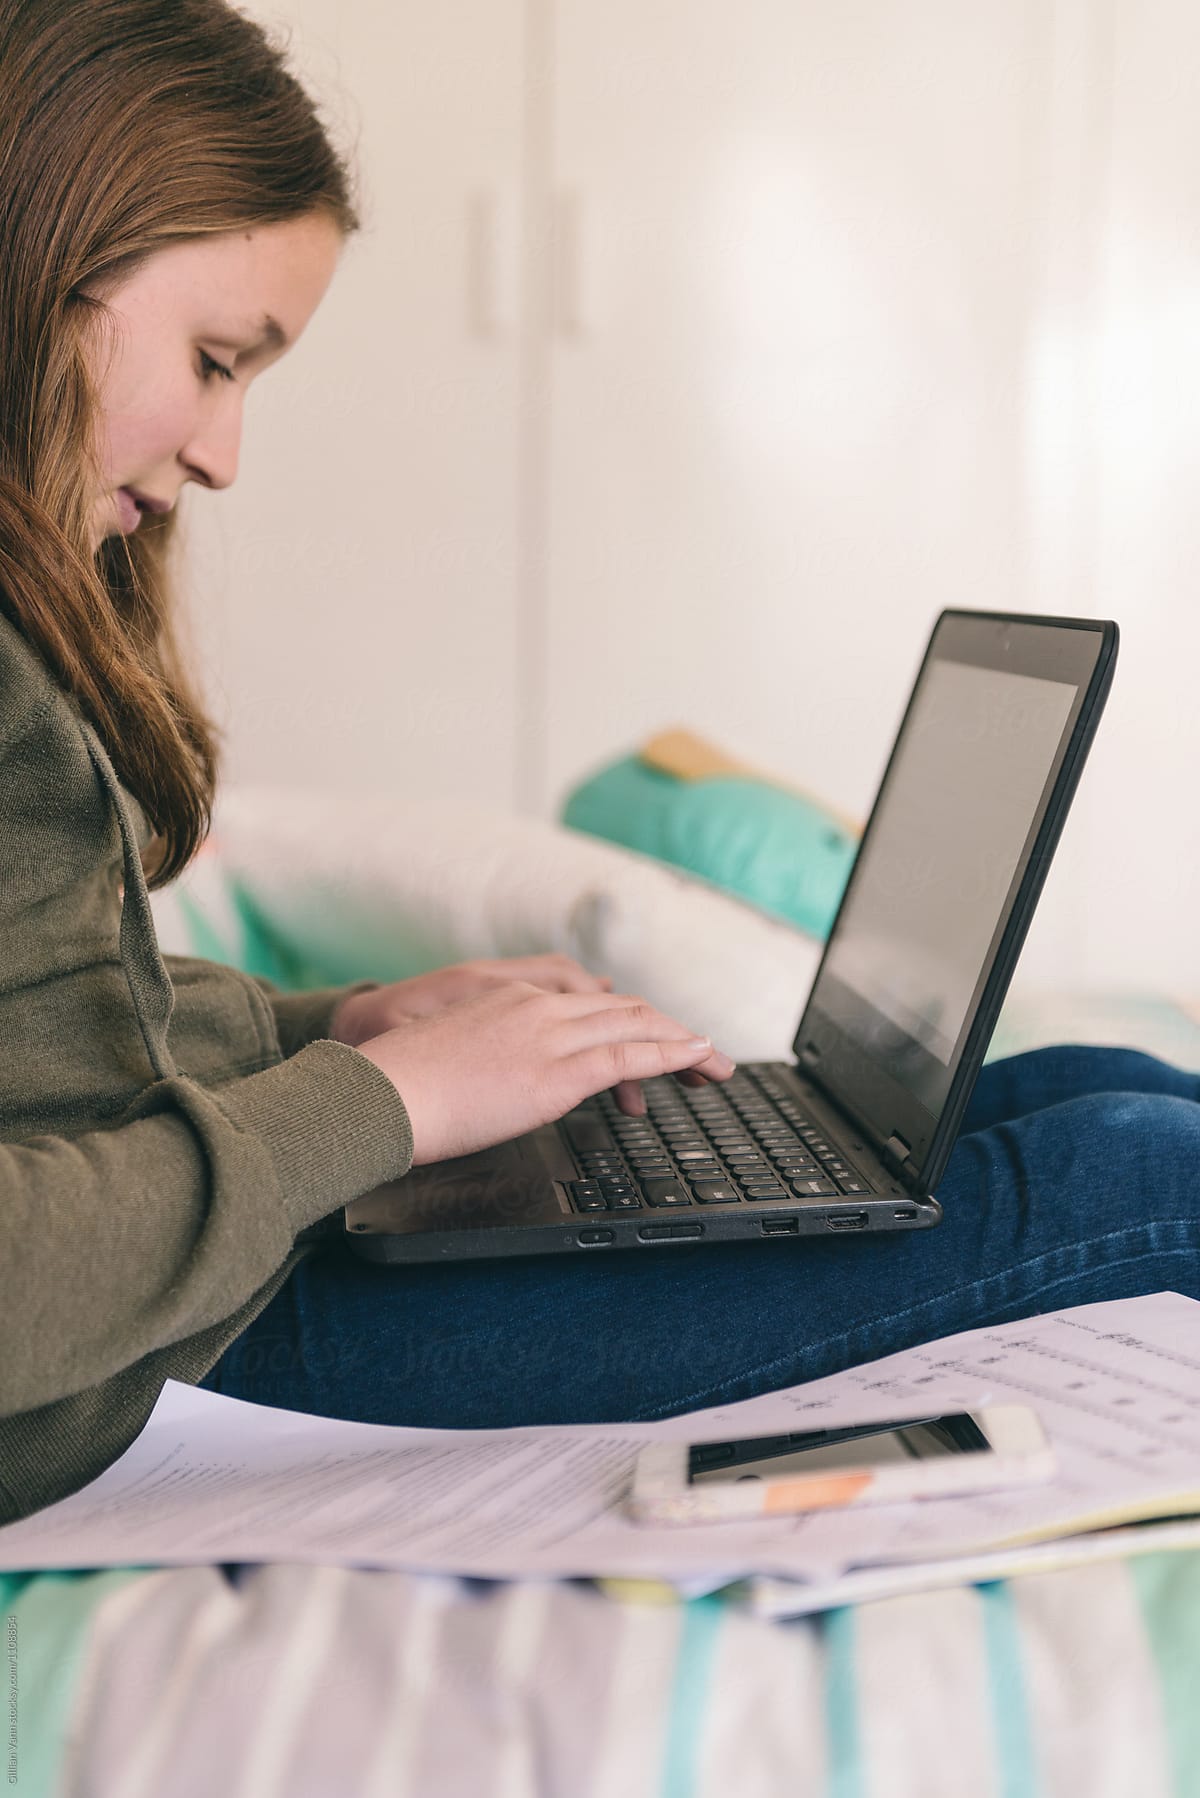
(820, 1451)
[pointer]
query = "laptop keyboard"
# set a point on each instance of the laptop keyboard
(743, 1139)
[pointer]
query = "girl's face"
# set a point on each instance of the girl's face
(190, 331)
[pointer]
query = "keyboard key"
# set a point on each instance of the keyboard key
(587, 1133)
(664, 1192)
(856, 1186)
(813, 1189)
(764, 1190)
(689, 1157)
(586, 1196)
(624, 1201)
(715, 1192)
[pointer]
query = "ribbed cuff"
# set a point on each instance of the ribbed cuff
(333, 1124)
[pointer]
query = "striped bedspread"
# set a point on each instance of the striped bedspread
(298, 1682)
(303, 1682)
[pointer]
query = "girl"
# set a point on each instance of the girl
(171, 214)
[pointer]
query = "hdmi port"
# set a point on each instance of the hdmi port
(847, 1220)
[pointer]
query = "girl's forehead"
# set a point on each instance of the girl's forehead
(265, 281)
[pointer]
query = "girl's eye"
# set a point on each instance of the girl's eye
(210, 367)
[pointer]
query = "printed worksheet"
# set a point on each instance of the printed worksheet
(1117, 1387)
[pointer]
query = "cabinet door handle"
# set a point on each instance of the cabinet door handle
(490, 264)
(569, 313)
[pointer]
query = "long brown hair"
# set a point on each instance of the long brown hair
(125, 126)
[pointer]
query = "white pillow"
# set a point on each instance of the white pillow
(198, 913)
(372, 886)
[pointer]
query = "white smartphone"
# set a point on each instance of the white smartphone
(816, 1470)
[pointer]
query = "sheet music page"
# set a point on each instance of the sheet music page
(212, 1478)
(778, 1597)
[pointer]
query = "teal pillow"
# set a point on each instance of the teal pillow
(781, 852)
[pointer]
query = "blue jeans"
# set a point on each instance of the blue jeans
(1076, 1177)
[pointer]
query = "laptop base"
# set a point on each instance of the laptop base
(522, 1198)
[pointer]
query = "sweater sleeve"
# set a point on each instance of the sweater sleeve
(121, 1240)
(302, 1018)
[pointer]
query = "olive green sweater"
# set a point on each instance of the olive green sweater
(168, 1128)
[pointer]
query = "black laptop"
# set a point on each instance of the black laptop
(854, 1133)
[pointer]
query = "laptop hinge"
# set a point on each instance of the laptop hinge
(895, 1151)
(899, 1151)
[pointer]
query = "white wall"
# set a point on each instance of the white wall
(859, 311)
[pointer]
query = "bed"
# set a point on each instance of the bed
(325, 1682)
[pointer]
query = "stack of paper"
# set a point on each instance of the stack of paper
(1117, 1387)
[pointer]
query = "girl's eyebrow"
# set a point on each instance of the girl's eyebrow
(272, 335)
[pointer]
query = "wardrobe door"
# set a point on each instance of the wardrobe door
(356, 590)
(785, 410)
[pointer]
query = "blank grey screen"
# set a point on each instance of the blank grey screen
(930, 887)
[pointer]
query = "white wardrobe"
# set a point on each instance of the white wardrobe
(693, 356)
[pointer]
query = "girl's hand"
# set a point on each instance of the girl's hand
(363, 1015)
(482, 1070)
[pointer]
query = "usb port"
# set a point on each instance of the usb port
(905, 1212)
(847, 1220)
(781, 1226)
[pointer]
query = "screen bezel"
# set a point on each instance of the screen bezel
(959, 1429)
(1082, 651)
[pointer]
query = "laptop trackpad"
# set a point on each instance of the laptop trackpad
(509, 1184)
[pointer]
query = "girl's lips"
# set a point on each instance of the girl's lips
(129, 511)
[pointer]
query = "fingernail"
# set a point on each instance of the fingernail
(700, 1042)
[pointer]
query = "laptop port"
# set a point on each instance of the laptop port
(847, 1220)
(905, 1212)
(781, 1226)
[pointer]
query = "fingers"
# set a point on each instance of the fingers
(626, 1019)
(631, 1099)
(608, 1065)
(554, 973)
(588, 1020)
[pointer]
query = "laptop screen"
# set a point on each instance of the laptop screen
(941, 863)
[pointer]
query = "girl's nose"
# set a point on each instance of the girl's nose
(212, 454)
